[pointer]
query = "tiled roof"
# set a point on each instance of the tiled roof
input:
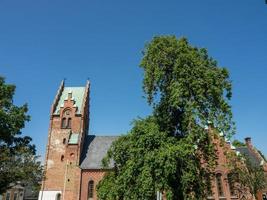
(94, 150)
(250, 155)
(77, 95)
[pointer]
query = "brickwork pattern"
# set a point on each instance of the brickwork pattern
(90, 175)
(62, 171)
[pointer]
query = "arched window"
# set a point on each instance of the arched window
(90, 190)
(66, 119)
(58, 196)
(219, 185)
(231, 183)
(62, 158)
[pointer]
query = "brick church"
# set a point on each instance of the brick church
(73, 157)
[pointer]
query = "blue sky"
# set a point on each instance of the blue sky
(42, 42)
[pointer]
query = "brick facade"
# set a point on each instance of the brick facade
(221, 186)
(62, 171)
(67, 134)
(87, 176)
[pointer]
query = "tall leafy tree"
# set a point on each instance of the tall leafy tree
(171, 151)
(17, 155)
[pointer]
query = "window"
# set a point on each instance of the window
(66, 119)
(231, 184)
(90, 189)
(62, 158)
(15, 196)
(63, 123)
(8, 196)
(64, 141)
(69, 123)
(219, 185)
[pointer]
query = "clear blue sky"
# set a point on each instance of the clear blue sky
(42, 42)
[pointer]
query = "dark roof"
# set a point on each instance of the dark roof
(94, 150)
(249, 154)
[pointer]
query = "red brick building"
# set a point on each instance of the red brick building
(73, 158)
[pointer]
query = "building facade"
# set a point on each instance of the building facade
(73, 157)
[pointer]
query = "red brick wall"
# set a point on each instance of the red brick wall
(223, 148)
(62, 171)
(88, 175)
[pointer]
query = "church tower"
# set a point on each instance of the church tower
(69, 122)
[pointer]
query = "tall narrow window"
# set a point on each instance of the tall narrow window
(63, 123)
(219, 185)
(15, 196)
(90, 190)
(8, 196)
(69, 123)
(231, 184)
(66, 119)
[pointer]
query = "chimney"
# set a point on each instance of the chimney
(248, 141)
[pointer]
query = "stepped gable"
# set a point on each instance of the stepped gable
(77, 96)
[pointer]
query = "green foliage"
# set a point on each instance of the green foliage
(237, 143)
(17, 155)
(185, 86)
(249, 175)
(148, 160)
(165, 152)
(253, 177)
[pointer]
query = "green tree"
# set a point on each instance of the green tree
(17, 155)
(237, 143)
(249, 175)
(165, 152)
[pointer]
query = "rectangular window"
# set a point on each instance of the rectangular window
(15, 196)
(90, 190)
(8, 196)
(219, 185)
